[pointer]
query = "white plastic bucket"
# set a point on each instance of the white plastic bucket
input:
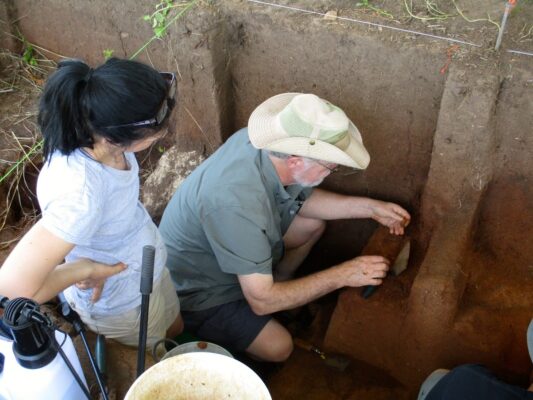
(197, 347)
(198, 376)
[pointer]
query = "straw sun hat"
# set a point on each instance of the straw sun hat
(306, 125)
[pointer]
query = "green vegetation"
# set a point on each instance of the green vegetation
(32, 71)
(160, 22)
(427, 11)
(366, 4)
(108, 53)
(29, 55)
(432, 10)
(159, 16)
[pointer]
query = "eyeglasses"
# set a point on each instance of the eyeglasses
(165, 108)
(331, 170)
(342, 169)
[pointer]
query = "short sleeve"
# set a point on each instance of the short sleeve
(73, 210)
(239, 243)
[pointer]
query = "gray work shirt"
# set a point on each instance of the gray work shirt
(226, 219)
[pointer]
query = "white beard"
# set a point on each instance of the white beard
(302, 182)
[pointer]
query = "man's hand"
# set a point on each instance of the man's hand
(390, 215)
(363, 271)
(266, 296)
(97, 276)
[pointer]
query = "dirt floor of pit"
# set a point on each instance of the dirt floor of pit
(303, 376)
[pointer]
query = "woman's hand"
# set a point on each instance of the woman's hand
(98, 273)
(390, 215)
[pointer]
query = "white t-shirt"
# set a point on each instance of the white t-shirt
(97, 208)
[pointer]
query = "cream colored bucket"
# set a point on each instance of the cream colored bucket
(198, 376)
(196, 347)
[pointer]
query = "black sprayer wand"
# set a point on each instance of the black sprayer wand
(147, 276)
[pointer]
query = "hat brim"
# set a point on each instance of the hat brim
(265, 133)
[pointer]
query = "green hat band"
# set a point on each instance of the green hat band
(293, 125)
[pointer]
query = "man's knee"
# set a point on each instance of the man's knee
(304, 231)
(320, 227)
(281, 349)
(274, 343)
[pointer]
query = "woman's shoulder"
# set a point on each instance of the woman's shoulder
(74, 172)
(76, 163)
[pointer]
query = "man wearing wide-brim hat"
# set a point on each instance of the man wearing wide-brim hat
(240, 225)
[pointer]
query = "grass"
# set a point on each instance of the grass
(426, 11)
(377, 10)
(21, 81)
(432, 11)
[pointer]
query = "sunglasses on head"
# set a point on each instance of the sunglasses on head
(163, 111)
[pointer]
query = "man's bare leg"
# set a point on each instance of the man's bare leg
(274, 343)
(299, 239)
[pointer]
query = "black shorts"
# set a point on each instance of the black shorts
(233, 326)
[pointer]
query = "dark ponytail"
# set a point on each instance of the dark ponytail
(79, 102)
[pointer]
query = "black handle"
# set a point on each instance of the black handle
(147, 271)
(99, 352)
(368, 291)
(147, 277)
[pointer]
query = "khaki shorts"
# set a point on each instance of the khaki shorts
(164, 308)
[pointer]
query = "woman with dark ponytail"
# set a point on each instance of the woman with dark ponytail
(89, 240)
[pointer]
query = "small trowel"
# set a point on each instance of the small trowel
(335, 361)
(400, 265)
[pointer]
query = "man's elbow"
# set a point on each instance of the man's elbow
(259, 306)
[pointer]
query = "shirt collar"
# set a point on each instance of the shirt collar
(272, 178)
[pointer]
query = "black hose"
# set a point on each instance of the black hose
(51, 334)
(73, 317)
(94, 367)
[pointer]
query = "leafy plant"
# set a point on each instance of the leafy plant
(161, 25)
(29, 54)
(159, 16)
(108, 53)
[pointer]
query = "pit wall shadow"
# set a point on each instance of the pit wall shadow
(442, 145)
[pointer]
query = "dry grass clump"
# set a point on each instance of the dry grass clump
(21, 81)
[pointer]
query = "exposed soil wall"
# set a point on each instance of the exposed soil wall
(392, 94)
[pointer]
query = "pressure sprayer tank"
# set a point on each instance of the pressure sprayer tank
(33, 368)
